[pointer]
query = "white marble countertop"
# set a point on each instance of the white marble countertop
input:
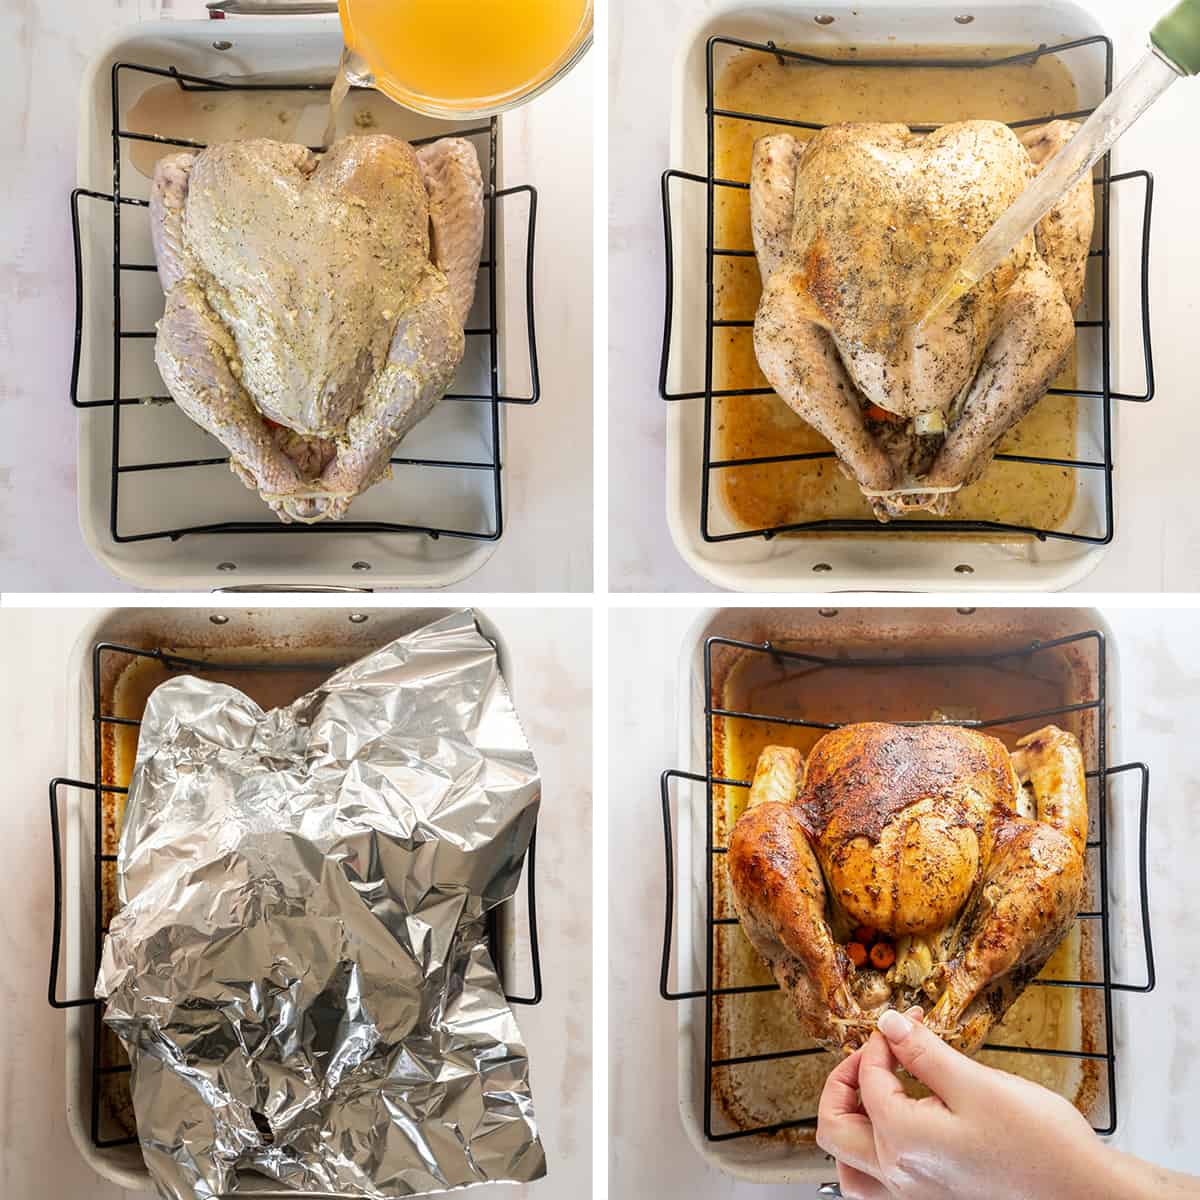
(551, 658)
(547, 545)
(1158, 531)
(1158, 1067)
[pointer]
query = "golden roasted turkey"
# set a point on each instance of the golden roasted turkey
(916, 832)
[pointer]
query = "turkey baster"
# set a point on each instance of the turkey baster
(1174, 51)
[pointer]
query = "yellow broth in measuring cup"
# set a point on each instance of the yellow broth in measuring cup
(454, 58)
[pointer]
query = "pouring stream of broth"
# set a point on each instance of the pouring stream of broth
(1175, 51)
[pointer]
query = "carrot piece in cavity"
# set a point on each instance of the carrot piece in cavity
(866, 934)
(856, 952)
(883, 954)
(876, 413)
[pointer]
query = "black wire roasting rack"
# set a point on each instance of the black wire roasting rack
(103, 853)
(126, 410)
(1104, 395)
(1099, 775)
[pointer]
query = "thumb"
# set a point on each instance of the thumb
(951, 1076)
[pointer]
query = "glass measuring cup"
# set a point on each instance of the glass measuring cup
(463, 58)
(450, 58)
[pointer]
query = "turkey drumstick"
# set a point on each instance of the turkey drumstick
(780, 897)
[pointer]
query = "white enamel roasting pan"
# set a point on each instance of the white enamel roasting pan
(298, 49)
(825, 562)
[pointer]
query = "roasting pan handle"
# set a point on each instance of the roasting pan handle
(664, 987)
(1147, 348)
(269, 8)
(337, 588)
(535, 378)
(1143, 881)
(56, 932)
(669, 318)
(535, 957)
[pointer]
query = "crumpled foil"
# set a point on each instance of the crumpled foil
(300, 970)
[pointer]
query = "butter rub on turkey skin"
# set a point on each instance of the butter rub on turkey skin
(315, 303)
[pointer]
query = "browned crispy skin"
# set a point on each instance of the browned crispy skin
(774, 871)
(1029, 898)
(1052, 762)
(915, 832)
(901, 818)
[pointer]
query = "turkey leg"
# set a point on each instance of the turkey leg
(779, 894)
(426, 349)
(1038, 343)
(1030, 894)
(195, 356)
(1035, 336)
(796, 355)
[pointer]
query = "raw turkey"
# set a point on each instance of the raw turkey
(314, 303)
(917, 833)
(855, 230)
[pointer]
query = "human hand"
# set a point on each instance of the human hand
(982, 1135)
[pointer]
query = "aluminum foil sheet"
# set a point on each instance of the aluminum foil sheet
(300, 970)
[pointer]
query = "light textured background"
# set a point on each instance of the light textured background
(1158, 532)
(551, 654)
(1158, 1069)
(547, 546)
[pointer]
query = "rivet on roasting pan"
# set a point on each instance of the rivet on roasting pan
(827, 612)
(821, 568)
(824, 19)
(222, 45)
(226, 566)
(357, 618)
(219, 619)
(965, 19)
(964, 569)
(361, 566)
